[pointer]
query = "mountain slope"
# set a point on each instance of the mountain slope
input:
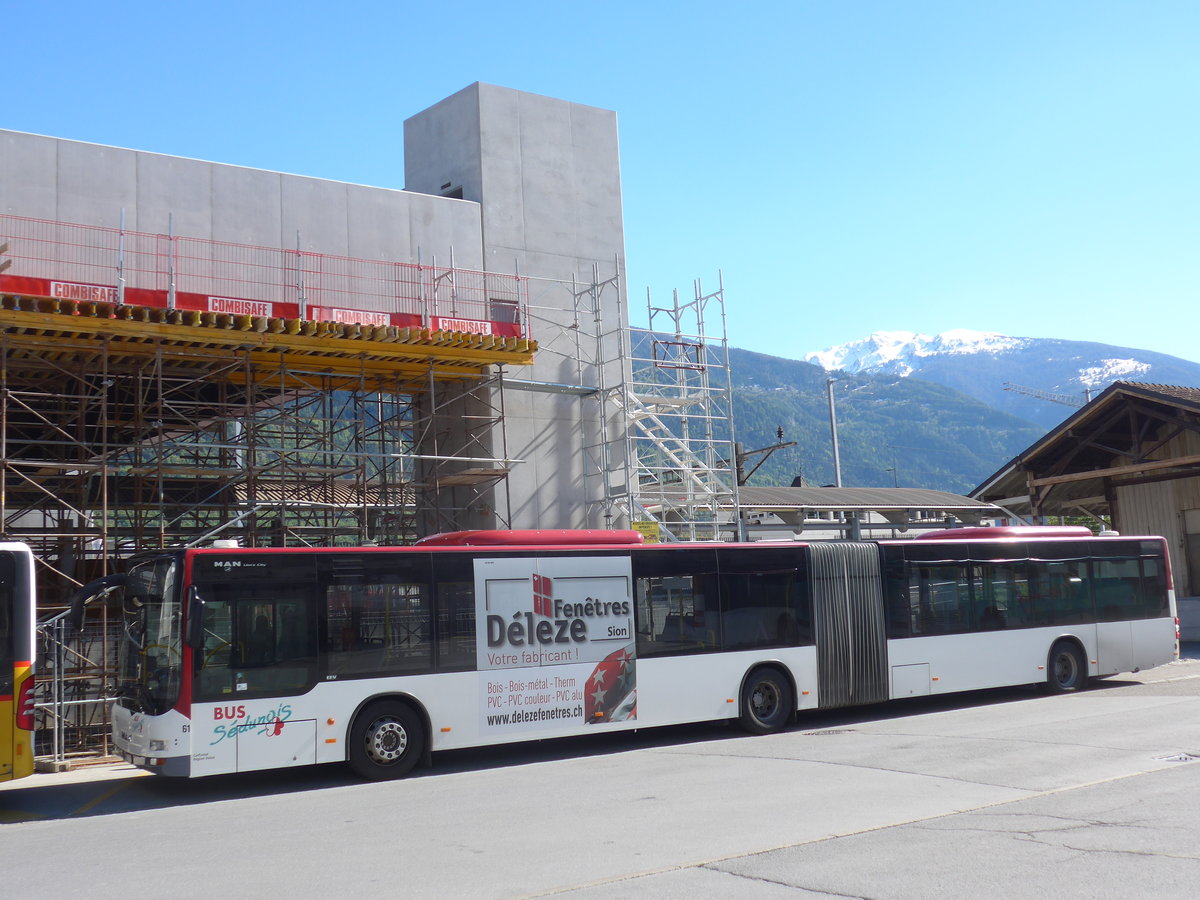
(980, 365)
(891, 431)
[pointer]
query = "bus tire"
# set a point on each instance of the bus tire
(1066, 668)
(766, 701)
(386, 740)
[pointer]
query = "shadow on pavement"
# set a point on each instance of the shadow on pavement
(105, 791)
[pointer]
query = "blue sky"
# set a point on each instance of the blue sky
(847, 165)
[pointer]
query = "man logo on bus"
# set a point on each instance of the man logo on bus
(543, 590)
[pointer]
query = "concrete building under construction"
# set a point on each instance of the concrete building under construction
(201, 351)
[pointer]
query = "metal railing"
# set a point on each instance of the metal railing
(73, 689)
(90, 262)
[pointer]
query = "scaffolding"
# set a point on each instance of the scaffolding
(656, 403)
(132, 426)
(666, 444)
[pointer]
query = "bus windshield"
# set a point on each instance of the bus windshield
(150, 654)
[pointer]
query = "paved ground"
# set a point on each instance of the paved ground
(1000, 794)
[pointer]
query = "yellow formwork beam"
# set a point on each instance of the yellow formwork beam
(135, 327)
(336, 348)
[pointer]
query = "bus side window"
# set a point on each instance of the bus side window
(1067, 596)
(455, 625)
(676, 604)
(1154, 601)
(8, 625)
(895, 595)
(383, 629)
(454, 612)
(764, 598)
(1002, 595)
(1117, 589)
(378, 616)
(673, 615)
(940, 598)
(259, 638)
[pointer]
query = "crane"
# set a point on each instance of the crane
(1064, 399)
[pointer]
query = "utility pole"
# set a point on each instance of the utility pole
(741, 456)
(837, 459)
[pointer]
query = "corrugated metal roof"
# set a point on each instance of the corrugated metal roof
(337, 494)
(1188, 395)
(821, 498)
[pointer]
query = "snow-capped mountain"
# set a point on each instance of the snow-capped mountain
(899, 352)
(1038, 379)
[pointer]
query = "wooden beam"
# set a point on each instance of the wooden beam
(134, 335)
(1111, 471)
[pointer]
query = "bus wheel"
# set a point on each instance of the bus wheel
(386, 741)
(766, 701)
(1067, 669)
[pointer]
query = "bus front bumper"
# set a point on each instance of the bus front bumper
(178, 766)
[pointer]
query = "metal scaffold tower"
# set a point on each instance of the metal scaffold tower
(671, 460)
(655, 405)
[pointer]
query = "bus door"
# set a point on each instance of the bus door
(848, 619)
(257, 662)
(1128, 595)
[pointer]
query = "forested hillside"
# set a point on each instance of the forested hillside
(891, 431)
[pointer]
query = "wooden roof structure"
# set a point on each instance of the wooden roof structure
(1130, 434)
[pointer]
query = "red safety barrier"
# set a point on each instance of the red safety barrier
(70, 261)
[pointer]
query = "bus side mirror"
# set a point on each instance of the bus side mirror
(195, 619)
(89, 592)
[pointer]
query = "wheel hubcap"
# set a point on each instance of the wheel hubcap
(386, 741)
(765, 700)
(1066, 669)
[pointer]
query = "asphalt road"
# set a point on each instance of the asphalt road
(1009, 793)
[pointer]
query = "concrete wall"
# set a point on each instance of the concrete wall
(70, 181)
(546, 174)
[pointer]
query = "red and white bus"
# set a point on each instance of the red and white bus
(17, 610)
(241, 660)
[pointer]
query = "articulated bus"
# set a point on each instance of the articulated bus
(241, 660)
(17, 612)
